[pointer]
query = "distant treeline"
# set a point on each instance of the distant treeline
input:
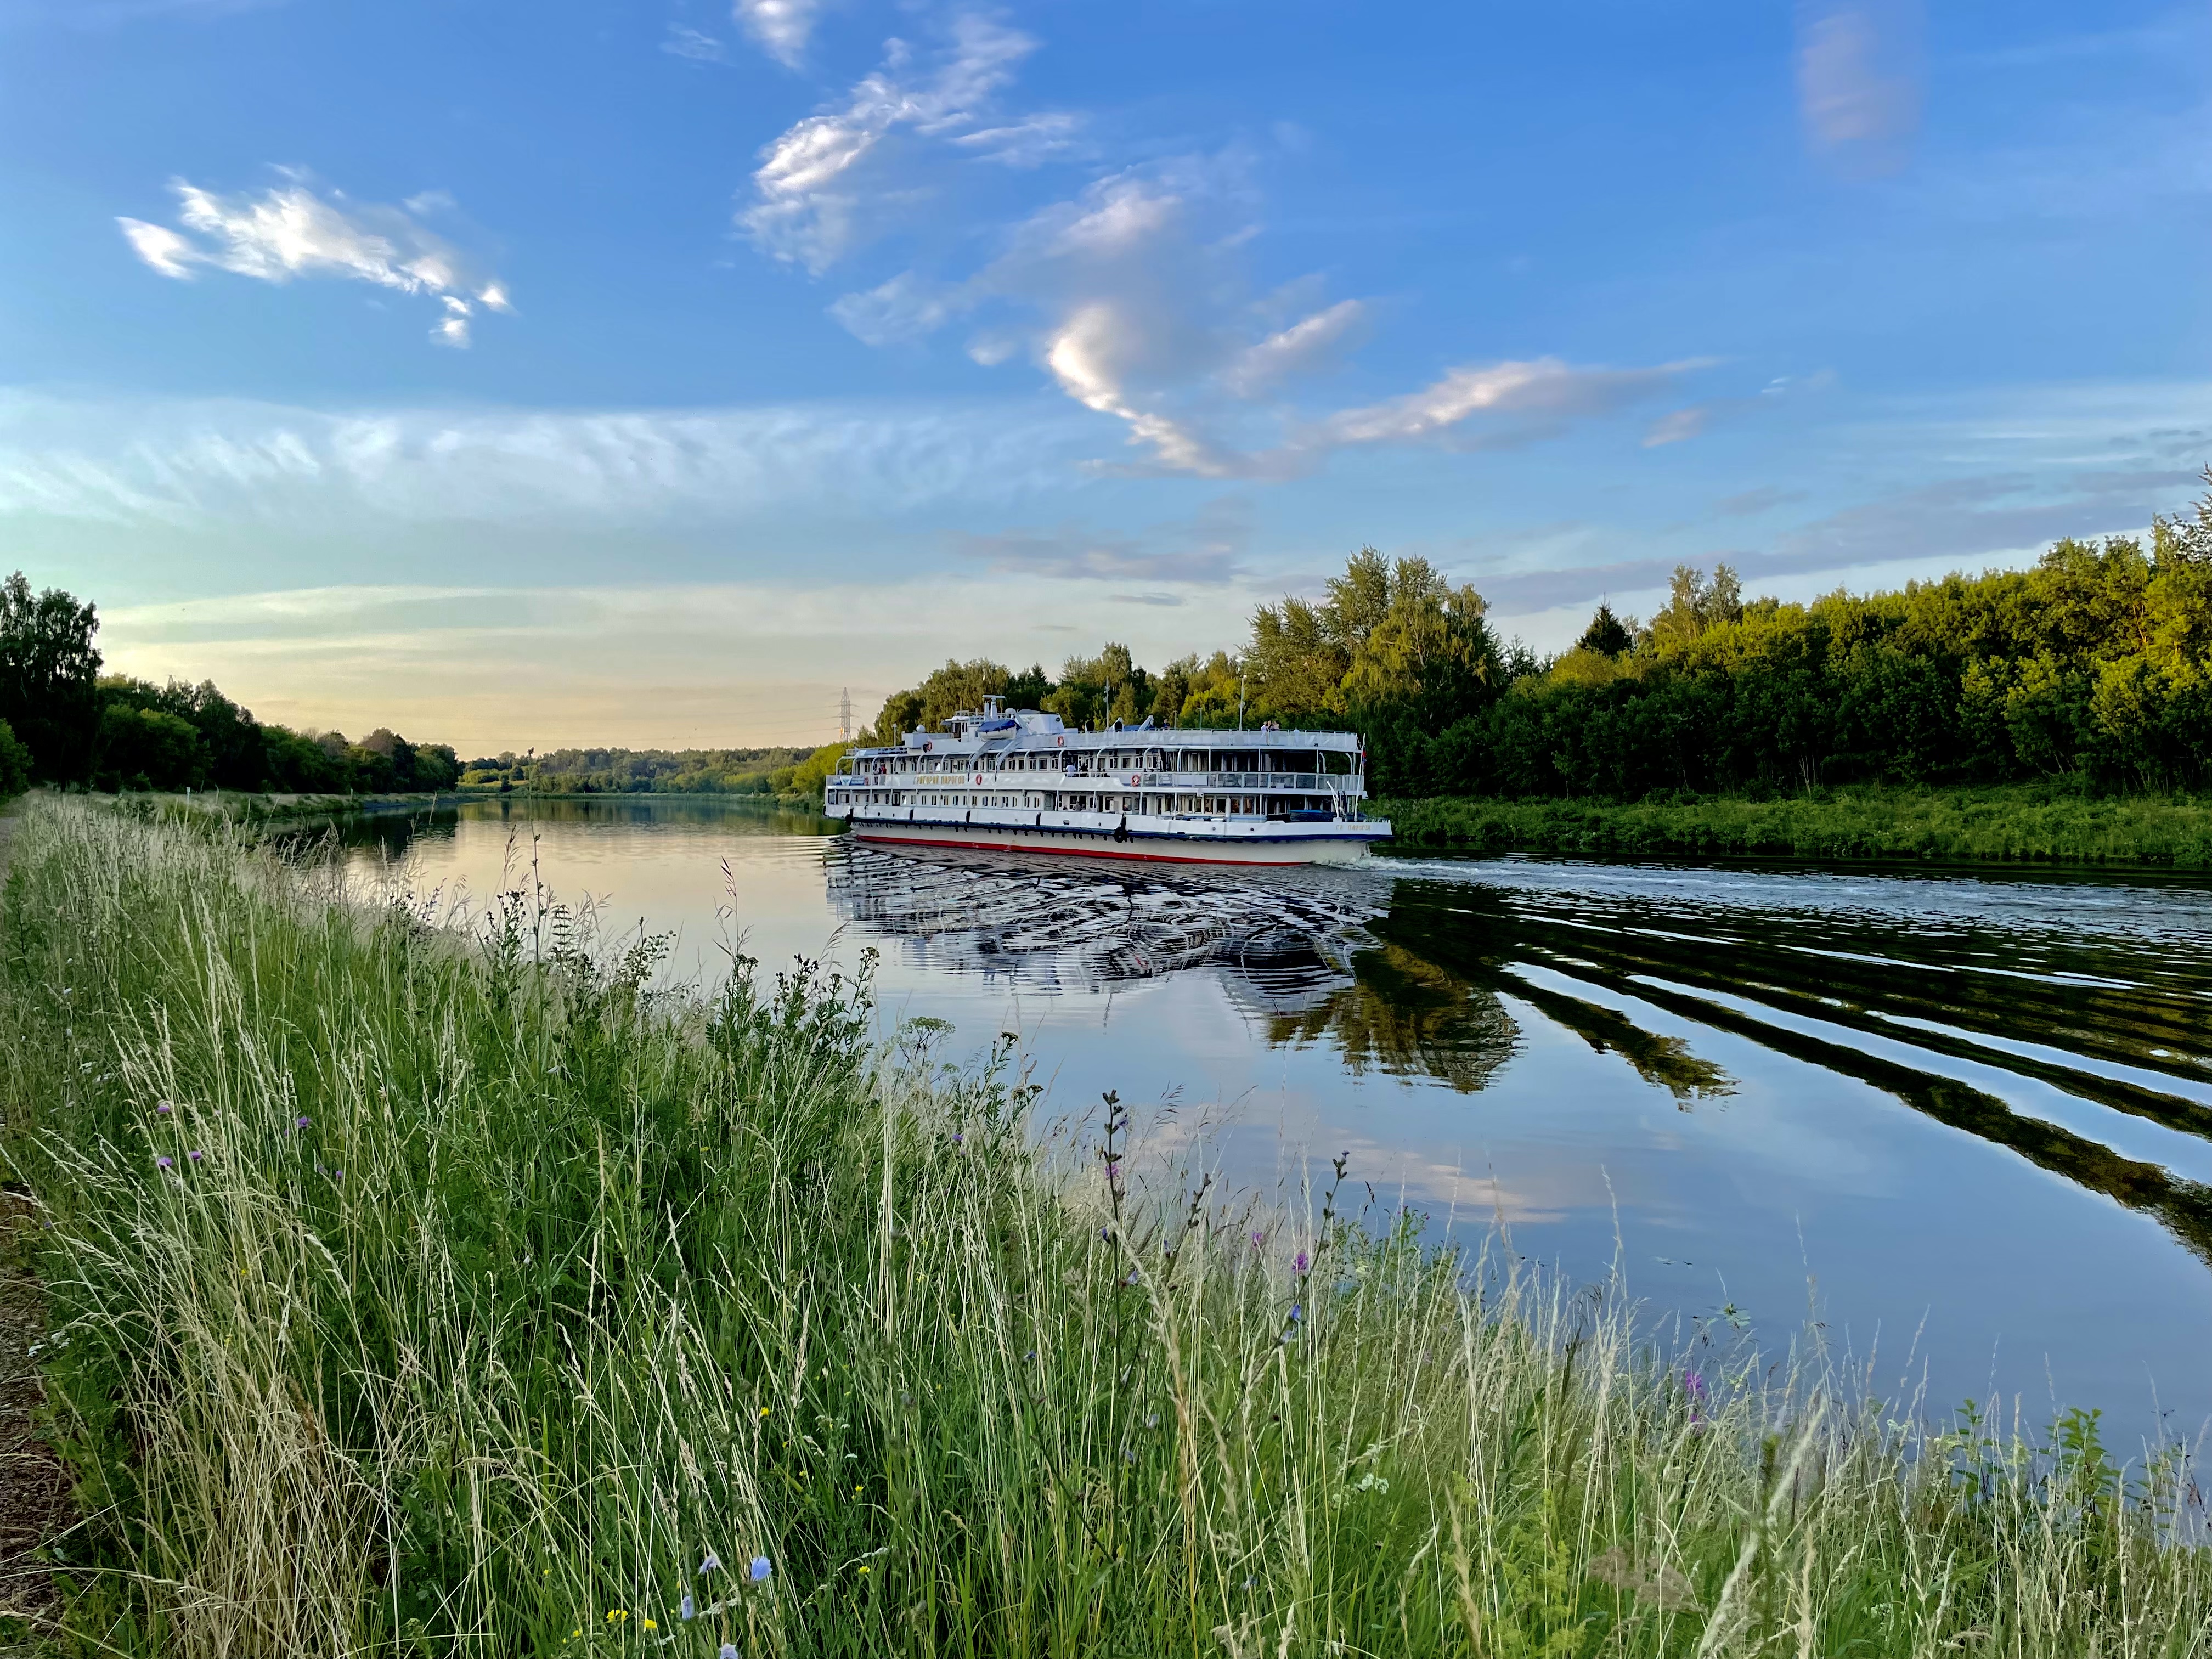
(2096, 664)
(645, 772)
(63, 722)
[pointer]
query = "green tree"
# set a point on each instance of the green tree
(1697, 602)
(15, 763)
(147, 748)
(50, 678)
(1607, 635)
(2187, 541)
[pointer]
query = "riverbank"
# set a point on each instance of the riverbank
(2012, 825)
(441, 1294)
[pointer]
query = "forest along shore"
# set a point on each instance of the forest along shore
(1997, 824)
(797, 1333)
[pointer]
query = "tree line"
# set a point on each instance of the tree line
(2096, 664)
(63, 722)
(769, 771)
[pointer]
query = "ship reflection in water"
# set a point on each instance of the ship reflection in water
(1308, 955)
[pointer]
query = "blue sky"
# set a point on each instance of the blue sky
(652, 372)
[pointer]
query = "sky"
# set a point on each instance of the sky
(662, 372)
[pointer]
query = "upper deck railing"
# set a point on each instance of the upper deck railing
(1131, 778)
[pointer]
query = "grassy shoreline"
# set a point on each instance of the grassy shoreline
(426, 1292)
(2009, 824)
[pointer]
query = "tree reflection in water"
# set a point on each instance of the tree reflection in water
(1416, 977)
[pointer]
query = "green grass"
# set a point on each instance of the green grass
(610, 1281)
(2003, 824)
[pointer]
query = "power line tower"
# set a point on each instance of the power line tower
(845, 715)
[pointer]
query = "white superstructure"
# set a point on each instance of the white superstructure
(1021, 781)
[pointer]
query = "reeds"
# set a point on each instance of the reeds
(509, 1300)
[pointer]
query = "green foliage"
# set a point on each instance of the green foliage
(2023, 823)
(15, 763)
(48, 677)
(506, 1288)
(805, 778)
(146, 749)
(635, 771)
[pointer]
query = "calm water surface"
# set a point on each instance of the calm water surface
(1964, 1124)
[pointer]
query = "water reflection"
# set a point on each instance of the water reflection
(1420, 976)
(1977, 1109)
(1053, 924)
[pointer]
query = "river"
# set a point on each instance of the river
(1955, 1128)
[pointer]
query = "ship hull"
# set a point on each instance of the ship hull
(1108, 838)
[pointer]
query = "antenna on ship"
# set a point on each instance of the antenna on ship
(845, 715)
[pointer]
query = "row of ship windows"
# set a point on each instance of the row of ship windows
(1224, 806)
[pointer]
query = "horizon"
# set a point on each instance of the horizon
(648, 380)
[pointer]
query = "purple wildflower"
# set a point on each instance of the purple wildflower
(196, 1155)
(759, 1571)
(709, 1562)
(957, 1138)
(684, 1609)
(1301, 1262)
(163, 1109)
(1693, 1388)
(165, 1162)
(1259, 1240)
(1298, 1311)
(301, 1122)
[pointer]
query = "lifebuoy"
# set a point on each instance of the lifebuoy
(1060, 743)
(979, 780)
(1136, 778)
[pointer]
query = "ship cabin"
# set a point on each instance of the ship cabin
(1021, 761)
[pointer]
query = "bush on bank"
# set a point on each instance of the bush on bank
(2026, 823)
(422, 1294)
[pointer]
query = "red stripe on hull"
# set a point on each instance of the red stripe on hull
(1068, 852)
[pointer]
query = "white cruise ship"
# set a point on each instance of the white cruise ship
(1019, 781)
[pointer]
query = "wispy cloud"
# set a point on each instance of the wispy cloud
(210, 463)
(1859, 80)
(1531, 399)
(1069, 555)
(834, 181)
(682, 40)
(1133, 293)
(289, 231)
(1305, 345)
(781, 28)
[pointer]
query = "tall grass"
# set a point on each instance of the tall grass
(506, 1297)
(2056, 823)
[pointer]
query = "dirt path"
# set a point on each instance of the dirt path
(33, 1486)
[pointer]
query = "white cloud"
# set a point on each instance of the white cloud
(1677, 425)
(1541, 393)
(683, 41)
(1298, 349)
(906, 307)
(825, 186)
(195, 463)
(1858, 79)
(1030, 142)
(1088, 355)
(289, 231)
(159, 247)
(781, 28)
(1131, 295)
